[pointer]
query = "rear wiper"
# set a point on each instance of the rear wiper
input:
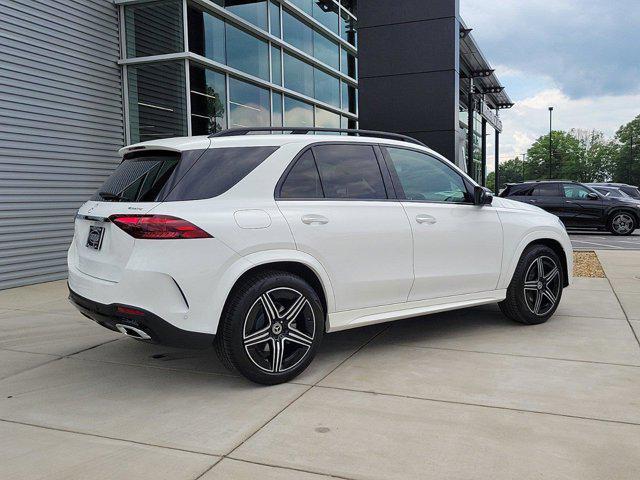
(110, 196)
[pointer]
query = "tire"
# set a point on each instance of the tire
(271, 327)
(532, 299)
(622, 223)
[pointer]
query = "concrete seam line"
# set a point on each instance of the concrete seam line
(619, 302)
(227, 455)
(480, 405)
(106, 437)
(301, 470)
(516, 355)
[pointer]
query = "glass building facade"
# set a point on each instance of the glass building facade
(194, 67)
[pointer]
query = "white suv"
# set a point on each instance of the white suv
(261, 244)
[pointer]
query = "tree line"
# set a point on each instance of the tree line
(581, 155)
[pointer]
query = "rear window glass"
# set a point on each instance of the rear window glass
(303, 180)
(139, 178)
(518, 190)
(192, 175)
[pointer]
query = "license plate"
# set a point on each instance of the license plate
(95, 237)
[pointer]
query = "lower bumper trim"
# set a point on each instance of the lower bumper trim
(158, 330)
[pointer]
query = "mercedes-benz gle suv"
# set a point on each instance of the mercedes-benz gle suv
(259, 245)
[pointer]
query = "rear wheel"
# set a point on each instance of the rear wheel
(271, 328)
(622, 223)
(536, 287)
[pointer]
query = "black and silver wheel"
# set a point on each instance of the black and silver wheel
(622, 223)
(536, 287)
(271, 328)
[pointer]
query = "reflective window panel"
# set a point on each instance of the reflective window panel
(348, 29)
(154, 28)
(297, 33)
(274, 16)
(157, 104)
(206, 35)
(249, 105)
(247, 53)
(276, 102)
(326, 50)
(208, 100)
(253, 11)
(327, 88)
(326, 12)
(298, 75)
(297, 113)
(327, 119)
(276, 65)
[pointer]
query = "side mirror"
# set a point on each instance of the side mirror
(592, 196)
(482, 196)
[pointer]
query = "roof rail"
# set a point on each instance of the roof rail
(234, 132)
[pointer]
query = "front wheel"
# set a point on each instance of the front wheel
(271, 328)
(622, 223)
(536, 287)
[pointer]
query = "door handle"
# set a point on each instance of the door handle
(424, 218)
(314, 220)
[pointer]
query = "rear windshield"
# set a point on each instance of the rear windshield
(191, 175)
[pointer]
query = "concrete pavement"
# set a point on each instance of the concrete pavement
(463, 395)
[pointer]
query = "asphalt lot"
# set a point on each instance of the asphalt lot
(590, 240)
(458, 395)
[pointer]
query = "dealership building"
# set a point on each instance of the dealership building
(81, 78)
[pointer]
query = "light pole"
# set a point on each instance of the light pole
(550, 133)
(631, 159)
(523, 157)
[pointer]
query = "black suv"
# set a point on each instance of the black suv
(578, 205)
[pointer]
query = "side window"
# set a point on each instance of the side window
(577, 192)
(423, 177)
(546, 190)
(349, 171)
(303, 180)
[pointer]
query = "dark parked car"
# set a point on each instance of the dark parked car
(630, 190)
(578, 205)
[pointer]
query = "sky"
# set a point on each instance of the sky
(580, 56)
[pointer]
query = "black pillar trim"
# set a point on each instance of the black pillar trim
(470, 131)
(497, 162)
(483, 181)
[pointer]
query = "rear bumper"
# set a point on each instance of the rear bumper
(159, 330)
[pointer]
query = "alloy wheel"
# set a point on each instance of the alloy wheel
(279, 330)
(542, 285)
(622, 223)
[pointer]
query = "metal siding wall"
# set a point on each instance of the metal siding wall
(61, 122)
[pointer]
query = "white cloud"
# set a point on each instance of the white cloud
(529, 118)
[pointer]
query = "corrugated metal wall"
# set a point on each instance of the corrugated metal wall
(61, 122)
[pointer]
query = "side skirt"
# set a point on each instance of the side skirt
(369, 316)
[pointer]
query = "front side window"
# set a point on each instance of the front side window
(349, 171)
(576, 192)
(425, 178)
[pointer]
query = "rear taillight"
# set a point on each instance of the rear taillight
(157, 227)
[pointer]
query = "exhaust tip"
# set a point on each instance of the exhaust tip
(133, 332)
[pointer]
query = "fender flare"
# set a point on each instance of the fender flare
(529, 238)
(243, 264)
